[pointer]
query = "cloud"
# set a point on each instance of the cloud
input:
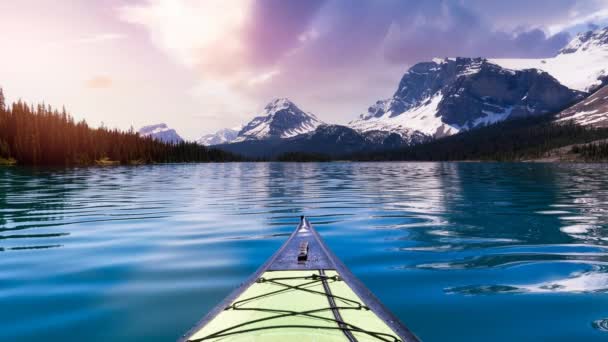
(278, 26)
(207, 34)
(99, 82)
(403, 46)
(598, 17)
(100, 38)
(91, 39)
(234, 47)
(245, 52)
(265, 77)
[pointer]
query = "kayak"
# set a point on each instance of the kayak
(302, 293)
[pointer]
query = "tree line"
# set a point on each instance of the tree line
(510, 140)
(41, 135)
(592, 152)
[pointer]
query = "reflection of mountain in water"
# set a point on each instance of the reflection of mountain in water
(547, 222)
(489, 205)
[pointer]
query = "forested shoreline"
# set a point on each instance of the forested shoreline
(511, 140)
(42, 136)
(594, 152)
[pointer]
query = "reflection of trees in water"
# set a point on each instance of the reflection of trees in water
(32, 203)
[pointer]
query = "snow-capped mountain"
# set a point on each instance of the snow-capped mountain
(445, 96)
(223, 136)
(281, 119)
(592, 111)
(161, 132)
(580, 65)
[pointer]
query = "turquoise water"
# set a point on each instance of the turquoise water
(459, 251)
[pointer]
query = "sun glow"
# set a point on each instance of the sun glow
(202, 33)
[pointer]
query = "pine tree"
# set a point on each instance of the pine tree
(2, 101)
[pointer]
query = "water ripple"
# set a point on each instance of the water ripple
(144, 251)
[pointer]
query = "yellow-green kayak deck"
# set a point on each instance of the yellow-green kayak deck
(288, 299)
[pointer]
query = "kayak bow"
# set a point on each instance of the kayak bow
(302, 293)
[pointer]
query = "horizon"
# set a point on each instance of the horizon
(138, 63)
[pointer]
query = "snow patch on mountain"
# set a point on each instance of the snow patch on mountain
(580, 65)
(492, 117)
(161, 132)
(593, 111)
(421, 118)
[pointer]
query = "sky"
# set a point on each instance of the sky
(203, 65)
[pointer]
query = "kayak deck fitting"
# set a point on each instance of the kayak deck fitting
(302, 293)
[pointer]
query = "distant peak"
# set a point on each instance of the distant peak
(161, 132)
(587, 40)
(150, 128)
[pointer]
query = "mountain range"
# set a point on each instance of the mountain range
(444, 97)
(439, 98)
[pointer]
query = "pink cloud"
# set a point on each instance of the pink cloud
(99, 82)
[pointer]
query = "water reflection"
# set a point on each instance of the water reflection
(506, 216)
(577, 282)
(601, 324)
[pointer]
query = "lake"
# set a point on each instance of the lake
(458, 251)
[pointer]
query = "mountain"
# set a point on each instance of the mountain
(580, 65)
(442, 97)
(223, 136)
(331, 140)
(592, 111)
(161, 132)
(446, 96)
(281, 119)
